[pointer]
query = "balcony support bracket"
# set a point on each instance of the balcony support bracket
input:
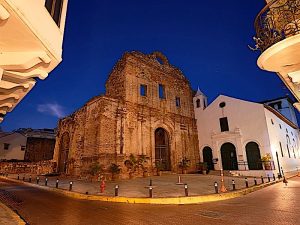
(4, 14)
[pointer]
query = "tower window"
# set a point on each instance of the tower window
(143, 90)
(161, 91)
(198, 105)
(6, 146)
(224, 124)
(178, 103)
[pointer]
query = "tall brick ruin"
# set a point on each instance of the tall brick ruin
(147, 110)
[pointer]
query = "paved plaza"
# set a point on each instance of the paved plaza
(163, 186)
(276, 205)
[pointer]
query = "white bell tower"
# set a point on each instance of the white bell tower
(199, 101)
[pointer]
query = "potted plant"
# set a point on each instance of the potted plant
(142, 161)
(203, 167)
(115, 171)
(266, 159)
(184, 164)
(159, 167)
(95, 170)
(131, 164)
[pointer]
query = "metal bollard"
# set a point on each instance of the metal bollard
(269, 178)
(233, 185)
(18, 177)
(216, 187)
(186, 190)
(274, 178)
(30, 179)
(56, 183)
(255, 181)
(46, 181)
(246, 182)
(116, 190)
(262, 180)
(150, 182)
(37, 180)
(71, 186)
(150, 192)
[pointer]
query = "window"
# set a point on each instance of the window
(161, 91)
(54, 7)
(288, 142)
(281, 149)
(143, 90)
(272, 121)
(204, 104)
(198, 105)
(222, 105)
(6, 146)
(224, 124)
(178, 104)
(280, 126)
(23, 148)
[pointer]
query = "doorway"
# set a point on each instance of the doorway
(162, 150)
(208, 157)
(229, 159)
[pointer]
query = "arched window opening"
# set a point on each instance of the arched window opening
(198, 105)
(253, 156)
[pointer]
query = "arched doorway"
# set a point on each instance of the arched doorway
(162, 150)
(208, 157)
(229, 159)
(63, 153)
(253, 156)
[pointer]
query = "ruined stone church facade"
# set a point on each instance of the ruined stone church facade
(147, 110)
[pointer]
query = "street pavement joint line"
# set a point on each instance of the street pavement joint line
(210, 214)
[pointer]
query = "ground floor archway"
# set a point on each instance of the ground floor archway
(208, 157)
(253, 156)
(229, 159)
(162, 149)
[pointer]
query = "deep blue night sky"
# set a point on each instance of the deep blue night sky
(207, 40)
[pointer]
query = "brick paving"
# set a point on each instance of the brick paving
(164, 186)
(276, 205)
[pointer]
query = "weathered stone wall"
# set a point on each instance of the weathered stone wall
(109, 128)
(42, 167)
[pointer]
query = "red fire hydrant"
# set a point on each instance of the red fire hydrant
(102, 186)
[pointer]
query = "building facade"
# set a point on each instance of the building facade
(40, 144)
(12, 146)
(147, 110)
(236, 135)
(30, 145)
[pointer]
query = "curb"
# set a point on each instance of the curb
(12, 214)
(160, 201)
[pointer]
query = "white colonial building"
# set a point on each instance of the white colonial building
(235, 134)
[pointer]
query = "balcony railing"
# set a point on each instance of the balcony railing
(278, 20)
(54, 7)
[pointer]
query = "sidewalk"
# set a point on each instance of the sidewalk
(163, 186)
(8, 217)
